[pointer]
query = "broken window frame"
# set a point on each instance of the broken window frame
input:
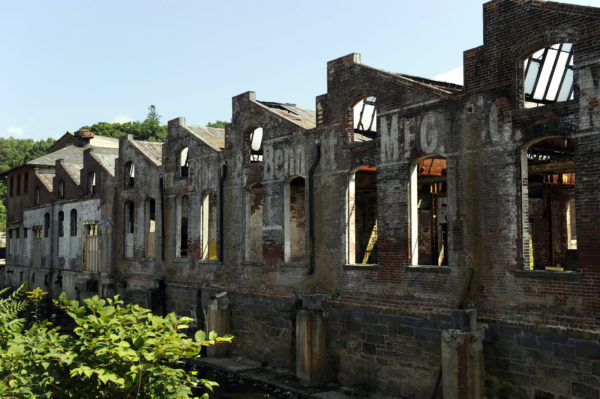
(208, 223)
(46, 224)
(543, 58)
(182, 226)
(362, 133)
(150, 228)
(353, 257)
(254, 236)
(183, 159)
(73, 223)
(92, 183)
(557, 178)
(61, 189)
(437, 185)
(289, 254)
(255, 155)
(61, 224)
(129, 174)
(129, 229)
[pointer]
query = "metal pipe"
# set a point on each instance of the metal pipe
(311, 206)
(162, 218)
(221, 209)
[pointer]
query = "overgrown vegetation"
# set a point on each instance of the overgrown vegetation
(16, 152)
(13, 153)
(115, 351)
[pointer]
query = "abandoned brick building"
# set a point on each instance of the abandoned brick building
(405, 226)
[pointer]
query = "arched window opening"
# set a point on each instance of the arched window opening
(36, 195)
(19, 185)
(26, 183)
(362, 216)
(46, 224)
(428, 212)
(61, 224)
(548, 75)
(129, 229)
(364, 116)
(295, 220)
(183, 163)
(255, 143)
(61, 189)
(73, 222)
(254, 222)
(129, 174)
(150, 228)
(548, 189)
(208, 226)
(181, 244)
(92, 183)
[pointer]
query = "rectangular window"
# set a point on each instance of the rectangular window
(208, 226)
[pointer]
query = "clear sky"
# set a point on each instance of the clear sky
(65, 64)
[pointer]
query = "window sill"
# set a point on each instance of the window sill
(209, 262)
(181, 260)
(551, 274)
(292, 263)
(428, 269)
(253, 263)
(362, 267)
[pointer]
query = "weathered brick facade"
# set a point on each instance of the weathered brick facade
(460, 199)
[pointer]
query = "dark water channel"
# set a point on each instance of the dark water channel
(233, 386)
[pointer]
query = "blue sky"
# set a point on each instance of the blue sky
(65, 64)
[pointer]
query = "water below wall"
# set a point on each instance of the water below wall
(232, 386)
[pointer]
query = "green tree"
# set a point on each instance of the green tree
(152, 114)
(13, 153)
(218, 123)
(115, 351)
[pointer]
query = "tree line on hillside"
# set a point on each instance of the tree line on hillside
(15, 152)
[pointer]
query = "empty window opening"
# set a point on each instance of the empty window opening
(46, 224)
(91, 248)
(295, 219)
(183, 210)
(150, 228)
(428, 212)
(19, 185)
(73, 222)
(255, 141)
(129, 229)
(362, 216)
(92, 183)
(183, 163)
(208, 226)
(10, 242)
(36, 250)
(26, 183)
(548, 75)
(254, 222)
(364, 116)
(37, 196)
(548, 187)
(61, 224)
(11, 187)
(61, 189)
(129, 174)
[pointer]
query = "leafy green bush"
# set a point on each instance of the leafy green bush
(115, 350)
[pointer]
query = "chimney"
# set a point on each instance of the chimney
(83, 137)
